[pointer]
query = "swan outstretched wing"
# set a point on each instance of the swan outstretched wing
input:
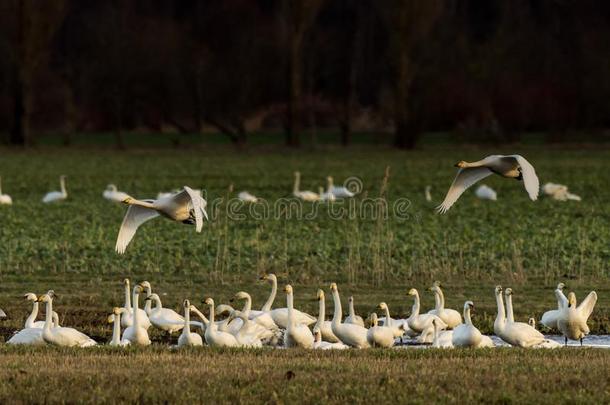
(586, 306)
(530, 179)
(464, 179)
(134, 217)
(562, 301)
(197, 209)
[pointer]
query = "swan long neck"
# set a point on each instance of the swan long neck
(415, 308)
(127, 297)
(478, 163)
(48, 315)
(338, 314)
(509, 308)
(187, 321)
(321, 312)
(439, 299)
(144, 204)
(329, 184)
(247, 306)
(467, 319)
(352, 312)
(501, 316)
(388, 320)
(269, 302)
(148, 304)
(435, 340)
(290, 305)
(116, 330)
(30, 321)
(297, 183)
(158, 304)
(62, 185)
(136, 315)
(211, 320)
(200, 315)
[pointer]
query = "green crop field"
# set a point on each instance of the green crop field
(377, 246)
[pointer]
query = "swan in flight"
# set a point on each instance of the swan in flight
(54, 196)
(115, 319)
(549, 318)
(247, 197)
(127, 318)
(31, 336)
(484, 192)
(351, 334)
(165, 319)
(320, 344)
(467, 335)
(509, 166)
(324, 326)
(188, 338)
(113, 194)
(303, 195)
(137, 333)
(450, 316)
(5, 199)
(280, 315)
(187, 207)
(428, 194)
(352, 317)
(213, 336)
(572, 320)
(59, 335)
(297, 335)
(379, 336)
(337, 192)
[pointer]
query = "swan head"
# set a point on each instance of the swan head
(532, 322)
(209, 301)
(110, 318)
(288, 289)
(47, 297)
(186, 304)
(571, 300)
(111, 187)
(383, 306)
(373, 319)
(412, 291)
(269, 277)
(320, 295)
(461, 164)
(333, 287)
(317, 334)
(117, 311)
(152, 296)
(469, 305)
(138, 289)
(350, 299)
(561, 286)
(127, 200)
(498, 290)
(508, 292)
(242, 295)
(145, 284)
(297, 174)
(126, 282)
(30, 297)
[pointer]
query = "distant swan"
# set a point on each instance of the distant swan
(485, 192)
(112, 194)
(247, 197)
(549, 318)
(510, 166)
(572, 320)
(57, 195)
(303, 195)
(337, 192)
(4, 198)
(428, 194)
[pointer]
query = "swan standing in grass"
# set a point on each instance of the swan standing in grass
(422, 324)
(514, 333)
(352, 317)
(450, 316)
(485, 192)
(213, 336)
(428, 194)
(115, 319)
(297, 335)
(188, 338)
(247, 197)
(187, 207)
(127, 318)
(324, 326)
(351, 334)
(137, 333)
(59, 335)
(54, 196)
(379, 336)
(510, 166)
(280, 315)
(113, 194)
(572, 320)
(549, 318)
(337, 192)
(165, 319)
(442, 339)
(320, 344)
(467, 335)
(5, 199)
(31, 336)
(303, 195)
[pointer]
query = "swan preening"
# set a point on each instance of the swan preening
(54, 196)
(509, 166)
(5, 199)
(187, 207)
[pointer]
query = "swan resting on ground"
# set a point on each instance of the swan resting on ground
(467, 335)
(351, 334)
(324, 326)
(514, 333)
(188, 338)
(559, 192)
(31, 336)
(509, 166)
(422, 324)
(213, 336)
(303, 195)
(549, 318)
(451, 317)
(442, 339)
(137, 333)
(485, 192)
(572, 320)
(379, 336)
(54, 196)
(247, 197)
(320, 344)
(187, 207)
(352, 317)
(165, 319)
(280, 315)
(59, 335)
(115, 319)
(5, 199)
(127, 316)
(297, 335)
(337, 192)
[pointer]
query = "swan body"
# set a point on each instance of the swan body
(444, 339)
(213, 336)
(337, 192)
(352, 317)
(247, 197)
(262, 318)
(572, 320)
(280, 315)
(31, 336)
(399, 328)
(549, 318)
(466, 334)
(324, 326)
(320, 344)
(252, 334)
(303, 195)
(559, 192)
(351, 334)
(379, 336)
(428, 194)
(422, 324)
(113, 194)
(127, 316)
(31, 322)
(509, 166)
(326, 196)
(59, 335)
(136, 333)
(115, 319)
(188, 338)
(450, 316)
(514, 333)
(485, 192)
(297, 335)
(165, 319)
(5, 199)
(187, 207)
(54, 196)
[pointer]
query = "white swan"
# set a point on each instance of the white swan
(450, 316)
(136, 333)
(54, 196)
(428, 194)
(252, 334)
(127, 317)
(59, 335)
(352, 317)
(303, 195)
(115, 319)
(351, 334)
(280, 315)
(320, 344)
(559, 192)
(514, 333)
(338, 192)
(485, 192)
(31, 336)
(399, 328)
(510, 166)
(379, 336)
(5, 199)
(187, 207)
(188, 338)
(444, 339)
(546, 343)
(31, 322)
(297, 335)
(467, 335)
(213, 336)
(422, 324)
(549, 318)
(165, 319)
(324, 326)
(262, 318)
(113, 194)
(326, 196)
(247, 197)
(572, 320)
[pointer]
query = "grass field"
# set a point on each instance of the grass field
(478, 244)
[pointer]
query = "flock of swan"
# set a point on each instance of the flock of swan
(288, 327)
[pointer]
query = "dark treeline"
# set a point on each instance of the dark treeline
(483, 68)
